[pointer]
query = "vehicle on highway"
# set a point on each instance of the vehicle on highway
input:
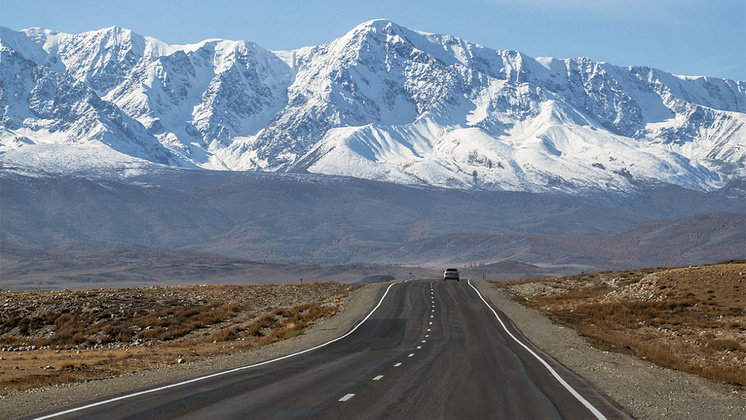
(450, 274)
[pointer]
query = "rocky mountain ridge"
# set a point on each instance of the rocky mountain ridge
(382, 102)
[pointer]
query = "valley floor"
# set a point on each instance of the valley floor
(641, 387)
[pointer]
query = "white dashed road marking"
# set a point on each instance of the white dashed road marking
(398, 364)
(378, 378)
(411, 355)
(347, 397)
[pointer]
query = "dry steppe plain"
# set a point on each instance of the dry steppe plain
(52, 337)
(167, 334)
(691, 319)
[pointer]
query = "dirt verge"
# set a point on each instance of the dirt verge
(351, 306)
(643, 387)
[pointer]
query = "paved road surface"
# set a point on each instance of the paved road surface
(431, 350)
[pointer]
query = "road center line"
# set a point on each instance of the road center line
(347, 397)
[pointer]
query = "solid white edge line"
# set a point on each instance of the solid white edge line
(556, 375)
(225, 372)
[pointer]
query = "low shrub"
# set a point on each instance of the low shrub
(226, 334)
(721, 344)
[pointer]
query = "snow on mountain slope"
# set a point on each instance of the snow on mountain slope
(42, 105)
(470, 117)
(381, 102)
(188, 100)
(200, 98)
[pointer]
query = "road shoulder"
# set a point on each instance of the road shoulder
(354, 307)
(643, 389)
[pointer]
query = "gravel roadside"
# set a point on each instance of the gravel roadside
(354, 307)
(643, 389)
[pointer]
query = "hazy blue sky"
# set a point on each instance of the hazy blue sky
(690, 37)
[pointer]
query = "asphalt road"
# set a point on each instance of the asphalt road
(430, 350)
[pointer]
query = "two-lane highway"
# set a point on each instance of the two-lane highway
(428, 350)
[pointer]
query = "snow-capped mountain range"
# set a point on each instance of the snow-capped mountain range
(382, 102)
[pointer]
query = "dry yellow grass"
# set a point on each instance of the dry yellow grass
(688, 318)
(51, 337)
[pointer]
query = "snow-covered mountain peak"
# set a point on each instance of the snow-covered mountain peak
(382, 102)
(446, 48)
(379, 27)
